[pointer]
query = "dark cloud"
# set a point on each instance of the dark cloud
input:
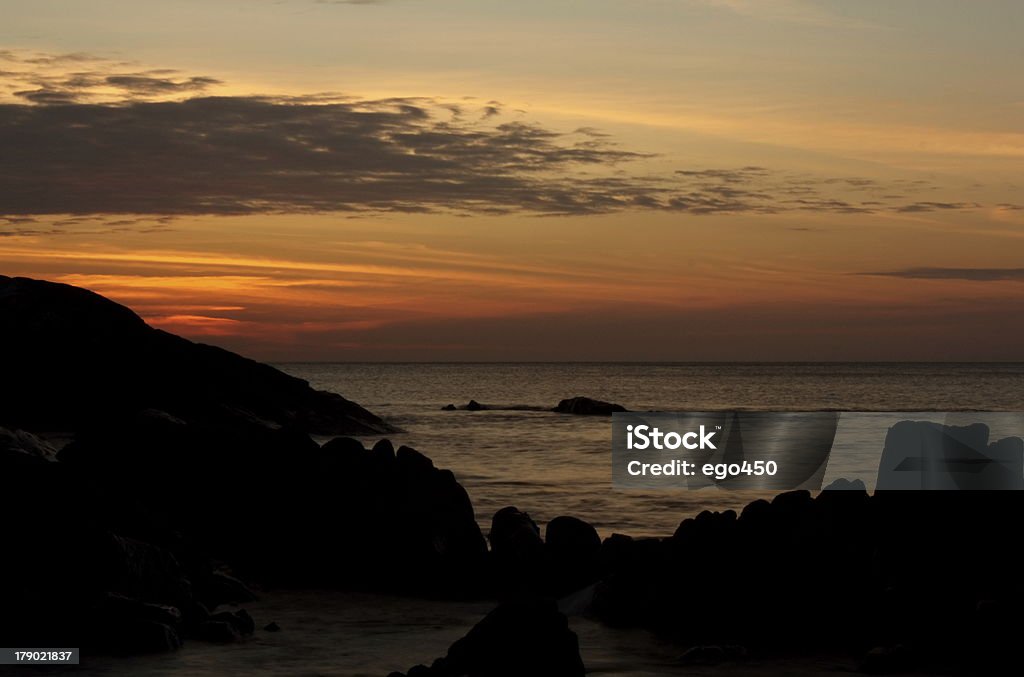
(936, 206)
(973, 274)
(82, 87)
(109, 138)
(236, 155)
(150, 86)
(47, 79)
(739, 175)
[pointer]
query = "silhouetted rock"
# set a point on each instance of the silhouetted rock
(140, 637)
(573, 548)
(220, 632)
(415, 530)
(25, 443)
(474, 406)
(517, 549)
(239, 620)
(525, 637)
(585, 406)
(71, 357)
(272, 626)
(218, 588)
(449, 407)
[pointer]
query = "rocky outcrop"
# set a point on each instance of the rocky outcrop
(186, 457)
(408, 525)
(852, 571)
(525, 637)
(26, 444)
(567, 560)
(72, 357)
(585, 406)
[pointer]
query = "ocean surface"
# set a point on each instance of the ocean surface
(518, 453)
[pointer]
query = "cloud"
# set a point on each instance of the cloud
(972, 274)
(238, 155)
(937, 206)
(148, 86)
(82, 78)
(113, 139)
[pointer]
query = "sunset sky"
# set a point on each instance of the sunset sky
(476, 180)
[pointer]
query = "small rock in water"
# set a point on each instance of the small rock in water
(585, 406)
(272, 626)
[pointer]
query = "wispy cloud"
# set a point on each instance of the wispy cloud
(971, 274)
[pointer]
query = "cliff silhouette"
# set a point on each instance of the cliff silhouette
(71, 357)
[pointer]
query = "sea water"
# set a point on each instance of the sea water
(517, 452)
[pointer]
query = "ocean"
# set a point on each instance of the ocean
(519, 453)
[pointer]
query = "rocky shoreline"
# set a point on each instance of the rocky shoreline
(191, 480)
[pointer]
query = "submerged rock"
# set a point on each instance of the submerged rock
(585, 406)
(525, 637)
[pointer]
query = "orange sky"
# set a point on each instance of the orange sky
(694, 180)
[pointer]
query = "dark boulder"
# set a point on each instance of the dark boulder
(525, 637)
(216, 587)
(514, 534)
(26, 444)
(415, 531)
(517, 549)
(474, 406)
(239, 620)
(218, 632)
(573, 548)
(115, 608)
(124, 625)
(585, 406)
(141, 637)
(449, 407)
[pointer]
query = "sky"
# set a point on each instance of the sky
(303, 180)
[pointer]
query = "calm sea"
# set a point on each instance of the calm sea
(517, 453)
